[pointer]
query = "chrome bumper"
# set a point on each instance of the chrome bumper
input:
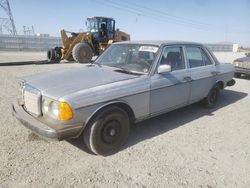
(42, 129)
(242, 70)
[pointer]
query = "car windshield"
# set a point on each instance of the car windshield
(132, 58)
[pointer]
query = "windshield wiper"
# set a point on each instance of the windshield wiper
(95, 63)
(124, 70)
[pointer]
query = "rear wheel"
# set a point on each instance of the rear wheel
(212, 97)
(82, 52)
(58, 54)
(108, 131)
(51, 55)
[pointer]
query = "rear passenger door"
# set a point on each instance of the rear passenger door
(202, 72)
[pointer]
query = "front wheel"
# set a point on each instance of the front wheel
(82, 52)
(108, 131)
(212, 98)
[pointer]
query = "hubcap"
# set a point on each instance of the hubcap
(84, 52)
(111, 132)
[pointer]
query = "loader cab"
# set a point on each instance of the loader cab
(101, 28)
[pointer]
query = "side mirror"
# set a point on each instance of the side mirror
(164, 69)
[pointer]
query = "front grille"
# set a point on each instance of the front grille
(32, 100)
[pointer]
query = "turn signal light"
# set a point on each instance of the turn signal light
(65, 111)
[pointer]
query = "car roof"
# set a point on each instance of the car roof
(158, 42)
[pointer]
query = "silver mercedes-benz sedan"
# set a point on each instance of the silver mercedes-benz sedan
(129, 82)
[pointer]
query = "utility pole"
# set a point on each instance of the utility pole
(8, 22)
(28, 31)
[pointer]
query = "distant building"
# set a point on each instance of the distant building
(42, 35)
(220, 47)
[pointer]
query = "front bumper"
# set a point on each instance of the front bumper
(42, 129)
(242, 70)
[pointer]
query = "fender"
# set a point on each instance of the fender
(105, 105)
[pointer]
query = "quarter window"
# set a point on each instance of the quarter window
(173, 56)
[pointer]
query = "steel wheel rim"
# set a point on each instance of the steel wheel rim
(111, 132)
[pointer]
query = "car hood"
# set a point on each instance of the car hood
(56, 84)
(243, 59)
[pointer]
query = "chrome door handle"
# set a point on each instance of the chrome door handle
(214, 73)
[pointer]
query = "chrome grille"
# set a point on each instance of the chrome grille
(32, 100)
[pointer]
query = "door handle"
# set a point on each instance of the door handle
(214, 73)
(187, 78)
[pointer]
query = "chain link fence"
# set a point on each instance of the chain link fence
(28, 43)
(43, 43)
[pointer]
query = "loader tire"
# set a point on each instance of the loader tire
(51, 55)
(58, 54)
(82, 53)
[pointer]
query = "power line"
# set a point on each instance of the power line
(161, 16)
(152, 16)
(165, 14)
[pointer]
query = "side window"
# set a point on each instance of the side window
(197, 57)
(205, 58)
(194, 57)
(173, 56)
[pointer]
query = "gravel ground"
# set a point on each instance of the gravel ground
(189, 147)
(13, 56)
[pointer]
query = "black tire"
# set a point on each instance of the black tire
(82, 52)
(58, 54)
(107, 131)
(211, 100)
(51, 55)
(237, 75)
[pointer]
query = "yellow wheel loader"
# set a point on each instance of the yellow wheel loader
(81, 47)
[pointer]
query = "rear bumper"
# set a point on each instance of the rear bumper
(42, 129)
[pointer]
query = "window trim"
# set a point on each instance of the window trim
(161, 54)
(202, 49)
(204, 53)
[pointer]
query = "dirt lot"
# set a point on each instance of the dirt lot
(13, 56)
(190, 147)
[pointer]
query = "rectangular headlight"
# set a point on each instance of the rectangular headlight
(57, 110)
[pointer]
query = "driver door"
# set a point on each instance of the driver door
(172, 89)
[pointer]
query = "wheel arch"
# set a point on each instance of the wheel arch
(120, 104)
(220, 84)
